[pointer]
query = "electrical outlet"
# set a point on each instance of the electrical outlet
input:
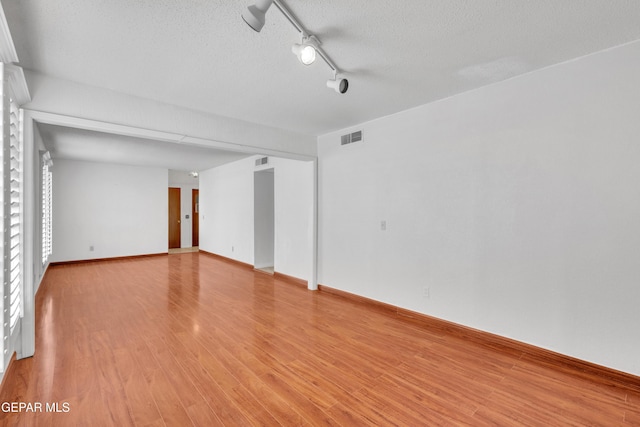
(90, 248)
(231, 248)
(426, 292)
(383, 225)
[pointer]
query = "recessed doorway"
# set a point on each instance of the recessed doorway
(195, 217)
(264, 220)
(174, 218)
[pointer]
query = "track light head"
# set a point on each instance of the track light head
(254, 15)
(338, 84)
(306, 51)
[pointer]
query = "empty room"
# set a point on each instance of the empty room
(355, 213)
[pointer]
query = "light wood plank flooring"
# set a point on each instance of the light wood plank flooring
(189, 339)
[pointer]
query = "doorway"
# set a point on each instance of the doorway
(263, 220)
(174, 218)
(195, 222)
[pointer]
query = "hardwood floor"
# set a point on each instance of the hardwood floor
(188, 339)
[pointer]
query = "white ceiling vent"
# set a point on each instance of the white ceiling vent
(351, 138)
(262, 161)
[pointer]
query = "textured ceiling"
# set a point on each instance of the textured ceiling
(199, 53)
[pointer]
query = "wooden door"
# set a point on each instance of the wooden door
(195, 215)
(174, 218)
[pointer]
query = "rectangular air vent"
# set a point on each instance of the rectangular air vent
(262, 161)
(351, 138)
(356, 136)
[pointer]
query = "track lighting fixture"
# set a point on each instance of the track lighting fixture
(254, 15)
(307, 51)
(338, 84)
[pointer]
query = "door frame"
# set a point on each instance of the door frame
(169, 222)
(195, 217)
(264, 218)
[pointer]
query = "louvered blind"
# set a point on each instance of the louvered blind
(13, 92)
(46, 207)
(15, 223)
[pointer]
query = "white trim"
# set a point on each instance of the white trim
(98, 126)
(95, 125)
(240, 148)
(7, 48)
(17, 84)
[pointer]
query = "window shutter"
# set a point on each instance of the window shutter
(13, 93)
(46, 207)
(15, 221)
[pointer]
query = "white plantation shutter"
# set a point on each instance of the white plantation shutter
(15, 220)
(47, 194)
(11, 196)
(13, 256)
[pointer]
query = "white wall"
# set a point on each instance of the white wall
(294, 182)
(226, 215)
(226, 210)
(516, 206)
(119, 210)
